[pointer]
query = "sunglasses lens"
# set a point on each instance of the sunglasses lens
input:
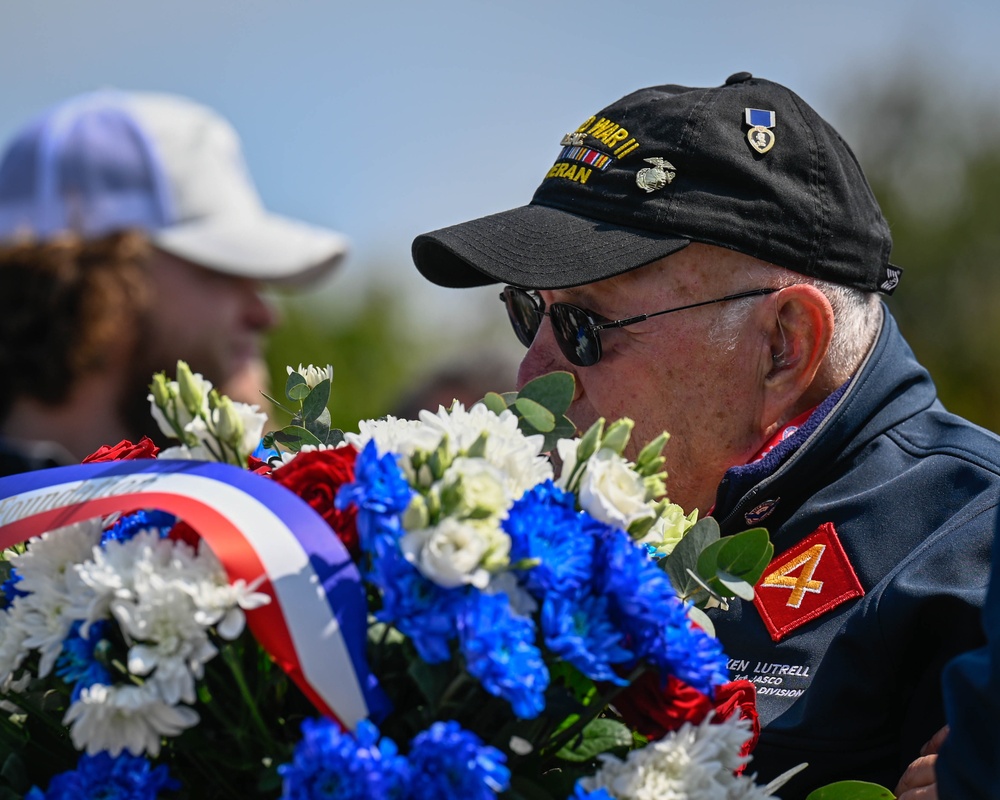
(525, 318)
(572, 329)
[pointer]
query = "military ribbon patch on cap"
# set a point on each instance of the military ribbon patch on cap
(805, 582)
(760, 135)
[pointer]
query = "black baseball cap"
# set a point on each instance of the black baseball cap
(747, 165)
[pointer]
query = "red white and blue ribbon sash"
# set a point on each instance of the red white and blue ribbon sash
(315, 625)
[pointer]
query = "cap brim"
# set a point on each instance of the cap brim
(265, 247)
(536, 247)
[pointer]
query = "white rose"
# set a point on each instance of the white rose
(453, 552)
(611, 491)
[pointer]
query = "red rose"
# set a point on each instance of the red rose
(739, 698)
(316, 477)
(124, 451)
(654, 708)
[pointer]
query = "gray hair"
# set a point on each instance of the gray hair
(855, 313)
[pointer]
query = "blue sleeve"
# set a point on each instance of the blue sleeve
(968, 767)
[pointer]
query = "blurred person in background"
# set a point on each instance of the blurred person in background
(131, 236)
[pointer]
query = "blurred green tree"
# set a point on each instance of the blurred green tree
(932, 154)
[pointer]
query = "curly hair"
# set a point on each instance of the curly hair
(67, 303)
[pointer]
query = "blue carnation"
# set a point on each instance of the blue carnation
(380, 492)
(643, 604)
(579, 793)
(418, 607)
(449, 762)
(9, 587)
(123, 777)
(500, 651)
(544, 525)
(331, 764)
(78, 663)
(577, 628)
(128, 525)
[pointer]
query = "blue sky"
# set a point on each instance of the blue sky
(387, 119)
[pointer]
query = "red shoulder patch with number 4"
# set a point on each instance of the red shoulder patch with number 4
(805, 582)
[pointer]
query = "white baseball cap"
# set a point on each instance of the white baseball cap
(112, 160)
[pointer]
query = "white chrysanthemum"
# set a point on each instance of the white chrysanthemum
(48, 560)
(54, 591)
(118, 718)
(613, 492)
(456, 552)
(393, 435)
(111, 572)
(167, 640)
(517, 456)
(313, 375)
(695, 761)
(12, 636)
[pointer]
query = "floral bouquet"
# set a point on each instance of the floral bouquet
(435, 611)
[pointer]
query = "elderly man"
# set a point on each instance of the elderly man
(131, 236)
(708, 261)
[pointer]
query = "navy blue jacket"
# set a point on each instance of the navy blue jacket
(912, 493)
(968, 767)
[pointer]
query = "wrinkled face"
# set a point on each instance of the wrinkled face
(670, 372)
(213, 321)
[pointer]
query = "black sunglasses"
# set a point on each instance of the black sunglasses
(576, 330)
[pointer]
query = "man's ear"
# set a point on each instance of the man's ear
(799, 338)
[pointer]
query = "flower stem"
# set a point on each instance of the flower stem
(237, 670)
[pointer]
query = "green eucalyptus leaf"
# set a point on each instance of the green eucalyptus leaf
(293, 435)
(554, 391)
(701, 619)
(316, 401)
(535, 414)
(746, 554)
(294, 379)
(494, 402)
(851, 790)
(319, 428)
(334, 437)
(599, 736)
(735, 586)
(685, 555)
(299, 392)
(564, 429)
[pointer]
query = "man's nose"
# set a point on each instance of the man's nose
(543, 356)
